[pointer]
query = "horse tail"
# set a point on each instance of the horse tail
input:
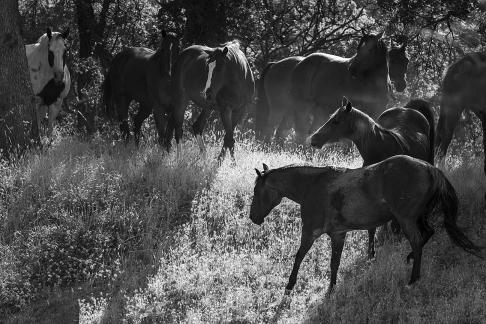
(425, 108)
(262, 107)
(445, 194)
(108, 97)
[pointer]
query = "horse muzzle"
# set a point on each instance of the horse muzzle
(255, 220)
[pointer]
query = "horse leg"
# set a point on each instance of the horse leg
(236, 117)
(482, 116)
(337, 244)
(198, 128)
(411, 229)
(142, 114)
(54, 110)
(122, 104)
(41, 114)
(426, 232)
(448, 117)
(176, 122)
(306, 241)
(371, 243)
(283, 130)
(301, 127)
(229, 141)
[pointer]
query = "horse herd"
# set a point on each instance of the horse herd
(398, 181)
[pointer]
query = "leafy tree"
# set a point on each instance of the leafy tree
(18, 126)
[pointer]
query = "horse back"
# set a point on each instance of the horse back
(277, 82)
(134, 73)
(466, 76)
(320, 76)
(191, 74)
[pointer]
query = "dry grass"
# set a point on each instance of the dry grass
(179, 246)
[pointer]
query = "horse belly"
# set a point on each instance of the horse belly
(51, 92)
(354, 207)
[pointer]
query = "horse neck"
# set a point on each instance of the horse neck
(293, 182)
(163, 57)
(367, 134)
(37, 58)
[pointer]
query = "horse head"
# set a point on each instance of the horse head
(340, 125)
(397, 66)
(371, 54)
(170, 47)
(216, 62)
(56, 53)
(265, 198)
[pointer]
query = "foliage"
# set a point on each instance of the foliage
(144, 236)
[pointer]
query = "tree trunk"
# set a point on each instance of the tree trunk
(18, 123)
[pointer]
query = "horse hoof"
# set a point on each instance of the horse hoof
(408, 286)
(287, 292)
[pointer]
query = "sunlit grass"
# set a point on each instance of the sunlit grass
(169, 240)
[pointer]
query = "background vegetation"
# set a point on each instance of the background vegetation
(98, 231)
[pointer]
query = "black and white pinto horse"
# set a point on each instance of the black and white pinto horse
(49, 74)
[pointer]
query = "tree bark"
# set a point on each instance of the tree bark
(18, 123)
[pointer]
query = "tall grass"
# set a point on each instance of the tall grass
(151, 238)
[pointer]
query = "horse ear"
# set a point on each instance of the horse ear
(265, 167)
(225, 50)
(349, 106)
(344, 102)
(49, 33)
(65, 34)
(259, 174)
(380, 35)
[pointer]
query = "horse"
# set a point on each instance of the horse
(462, 88)
(336, 200)
(49, 75)
(319, 81)
(143, 75)
(277, 109)
(217, 78)
(408, 130)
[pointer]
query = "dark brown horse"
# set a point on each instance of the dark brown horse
(463, 87)
(320, 80)
(337, 200)
(408, 130)
(140, 74)
(278, 110)
(213, 78)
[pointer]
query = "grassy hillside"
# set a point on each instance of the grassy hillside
(105, 232)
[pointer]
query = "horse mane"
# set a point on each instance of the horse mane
(308, 169)
(365, 134)
(234, 44)
(43, 40)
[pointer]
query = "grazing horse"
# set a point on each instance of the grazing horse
(217, 78)
(463, 87)
(319, 81)
(408, 130)
(143, 75)
(49, 74)
(278, 110)
(337, 200)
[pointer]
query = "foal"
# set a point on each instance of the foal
(408, 130)
(337, 200)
